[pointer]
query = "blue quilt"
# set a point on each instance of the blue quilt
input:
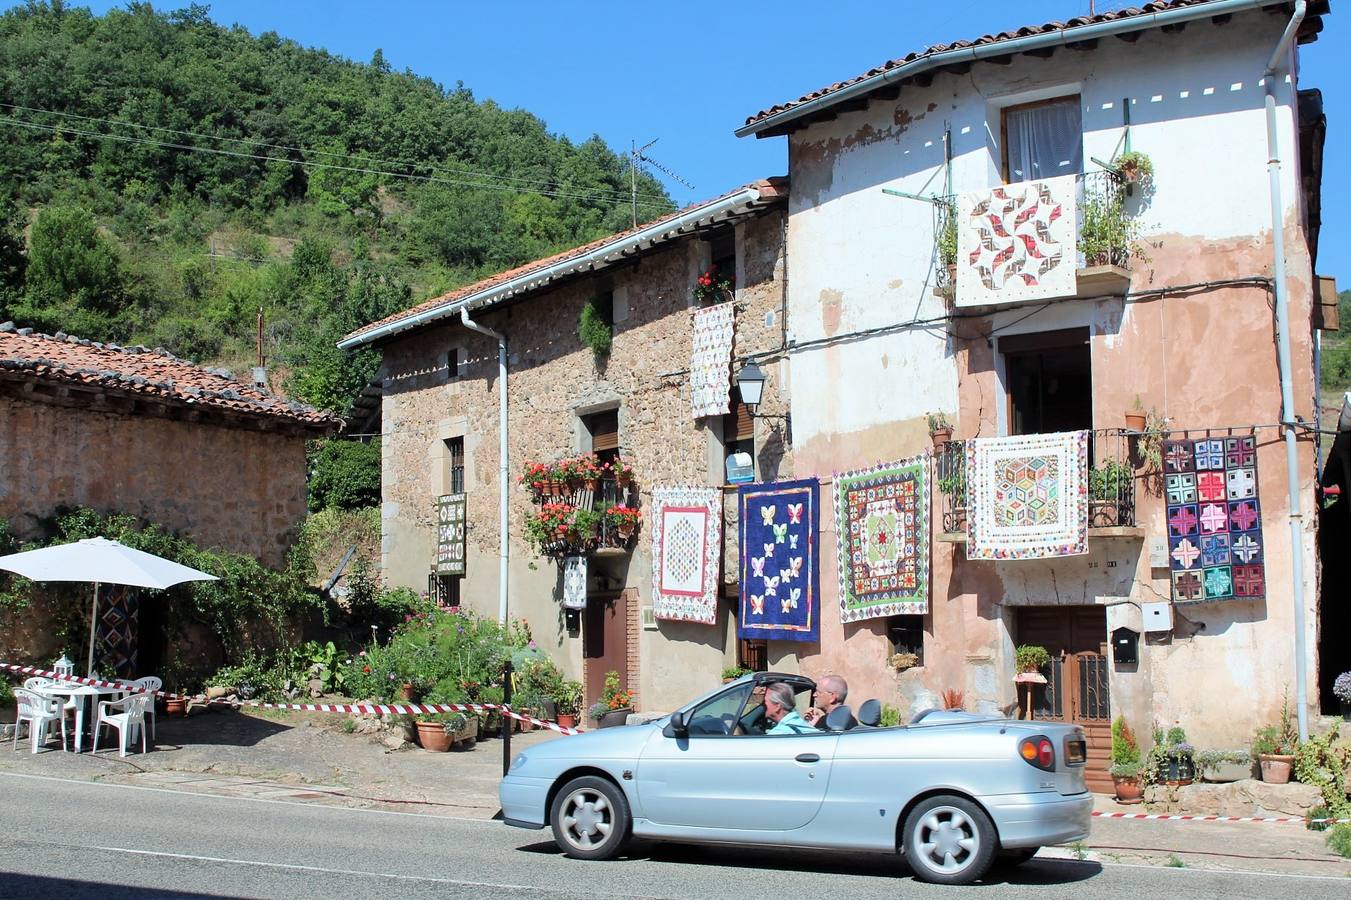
(780, 572)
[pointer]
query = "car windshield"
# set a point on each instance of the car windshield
(740, 710)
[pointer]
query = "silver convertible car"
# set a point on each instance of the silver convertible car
(953, 791)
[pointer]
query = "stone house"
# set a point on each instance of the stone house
(1163, 307)
(139, 431)
(441, 434)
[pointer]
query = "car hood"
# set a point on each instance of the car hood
(620, 742)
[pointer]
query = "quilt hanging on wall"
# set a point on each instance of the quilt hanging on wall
(450, 519)
(882, 527)
(1215, 545)
(1028, 495)
(780, 575)
(686, 548)
(1017, 242)
(711, 359)
(574, 582)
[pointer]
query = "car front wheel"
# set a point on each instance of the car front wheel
(949, 840)
(590, 818)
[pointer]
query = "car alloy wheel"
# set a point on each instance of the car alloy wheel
(949, 840)
(590, 818)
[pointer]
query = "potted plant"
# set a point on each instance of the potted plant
(1135, 167)
(1106, 232)
(623, 520)
(595, 328)
(952, 484)
(1176, 766)
(940, 429)
(568, 701)
(1135, 416)
(947, 244)
(732, 673)
(1341, 689)
(1275, 753)
(1108, 484)
(954, 698)
(176, 675)
(623, 473)
(551, 528)
(713, 286)
(903, 660)
(614, 705)
(1126, 766)
(436, 732)
(1032, 657)
(1222, 766)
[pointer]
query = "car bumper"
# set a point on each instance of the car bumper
(523, 800)
(1033, 820)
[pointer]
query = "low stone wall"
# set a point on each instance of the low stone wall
(1248, 797)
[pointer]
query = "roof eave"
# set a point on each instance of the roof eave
(598, 258)
(771, 125)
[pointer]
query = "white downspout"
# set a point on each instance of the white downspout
(1280, 59)
(504, 553)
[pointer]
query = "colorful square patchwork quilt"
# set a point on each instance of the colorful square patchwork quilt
(686, 550)
(1028, 495)
(780, 569)
(1215, 543)
(882, 526)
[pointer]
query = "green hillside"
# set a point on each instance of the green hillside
(162, 178)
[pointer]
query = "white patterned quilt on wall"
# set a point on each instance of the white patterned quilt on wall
(686, 548)
(1028, 496)
(1017, 242)
(574, 582)
(711, 359)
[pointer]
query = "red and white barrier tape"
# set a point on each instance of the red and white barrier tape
(1181, 818)
(369, 709)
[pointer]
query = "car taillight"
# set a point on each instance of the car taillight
(1038, 751)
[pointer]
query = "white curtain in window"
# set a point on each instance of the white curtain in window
(1044, 141)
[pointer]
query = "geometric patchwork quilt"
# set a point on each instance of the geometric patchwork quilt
(780, 575)
(1028, 496)
(711, 359)
(686, 549)
(1215, 545)
(882, 528)
(1017, 242)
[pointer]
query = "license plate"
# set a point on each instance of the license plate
(1075, 752)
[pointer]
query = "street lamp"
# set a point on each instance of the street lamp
(751, 382)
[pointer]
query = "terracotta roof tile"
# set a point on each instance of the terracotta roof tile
(155, 373)
(1025, 31)
(768, 187)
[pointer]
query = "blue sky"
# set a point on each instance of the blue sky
(688, 73)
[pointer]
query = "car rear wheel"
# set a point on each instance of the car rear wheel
(949, 840)
(590, 818)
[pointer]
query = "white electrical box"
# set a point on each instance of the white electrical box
(1157, 616)
(1158, 552)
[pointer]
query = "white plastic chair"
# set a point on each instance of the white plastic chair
(151, 684)
(131, 716)
(39, 684)
(38, 711)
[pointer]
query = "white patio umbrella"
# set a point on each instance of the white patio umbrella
(100, 561)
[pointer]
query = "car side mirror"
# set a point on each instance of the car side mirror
(677, 727)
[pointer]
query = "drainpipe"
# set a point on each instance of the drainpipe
(1280, 59)
(504, 554)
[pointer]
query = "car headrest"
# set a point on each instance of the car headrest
(870, 713)
(840, 719)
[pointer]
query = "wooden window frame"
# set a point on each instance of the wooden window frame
(1018, 107)
(455, 463)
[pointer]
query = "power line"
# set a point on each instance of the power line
(66, 129)
(331, 153)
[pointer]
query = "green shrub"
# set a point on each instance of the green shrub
(1339, 839)
(6, 692)
(344, 474)
(1125, 750)
(890, 716)
(595, 328)
(1317, 763)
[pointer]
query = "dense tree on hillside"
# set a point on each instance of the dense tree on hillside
(394, 186)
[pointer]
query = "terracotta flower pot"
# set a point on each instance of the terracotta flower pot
(625, 531)
(176, 706)
(941, 437)
(1276, 767)
(1128, 789)
(406, 690)
(567, 720)
(1135, 421)
(432, 736)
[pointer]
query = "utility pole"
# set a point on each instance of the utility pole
(633, 177)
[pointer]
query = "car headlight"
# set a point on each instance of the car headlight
(518, 762)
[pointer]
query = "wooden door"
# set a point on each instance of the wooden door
(1076, 688)
(605, 645)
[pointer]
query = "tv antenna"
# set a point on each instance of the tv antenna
(636, 156)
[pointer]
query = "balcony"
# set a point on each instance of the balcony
(1111, 488)
(1015, 248)
(594, 517)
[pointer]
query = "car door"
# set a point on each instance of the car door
(717, 778)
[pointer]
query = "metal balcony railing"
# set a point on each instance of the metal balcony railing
(1111, 482)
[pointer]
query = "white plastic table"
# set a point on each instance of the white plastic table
(81, 694)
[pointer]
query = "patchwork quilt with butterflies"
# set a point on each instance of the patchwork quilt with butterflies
(882, 525)
(1017, 242)
(1216, 550)
(780, 574)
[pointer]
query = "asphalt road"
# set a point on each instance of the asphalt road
(74, 839)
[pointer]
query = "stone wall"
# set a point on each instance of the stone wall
(553, 382)
(228, 488)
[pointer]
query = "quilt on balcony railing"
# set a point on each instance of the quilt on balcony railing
(686, 546)
(882, 526)
(711, 359)
(1017, 242)
(1215, 545)
(780, 564)
(1029, 496)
